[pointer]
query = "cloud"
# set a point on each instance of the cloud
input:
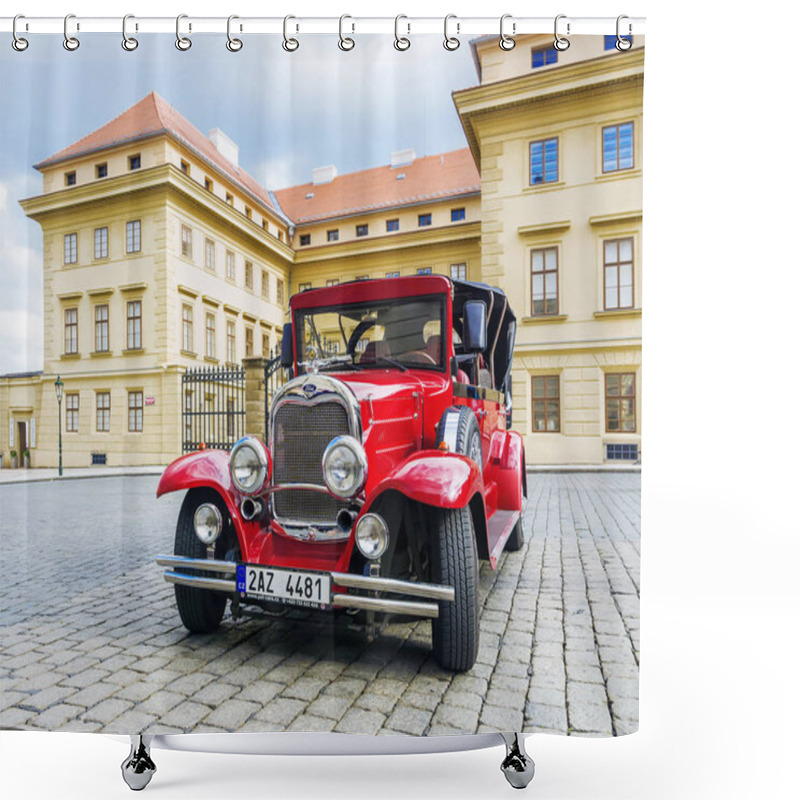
(21, 336)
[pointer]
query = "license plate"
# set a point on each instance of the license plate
(310, 589)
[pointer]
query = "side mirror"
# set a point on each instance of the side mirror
(287, 347)
(474, 327)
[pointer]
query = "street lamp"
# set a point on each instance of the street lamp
(59, 394)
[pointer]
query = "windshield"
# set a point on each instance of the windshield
(406, 333)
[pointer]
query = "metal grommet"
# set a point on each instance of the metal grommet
(560, 42)
(401, 42)
(451, 42)
(128, 42)
(70, 42)
(18, 43)
(233, 44)
(289, 44)
(507, 42)
(346, 43)
(182, 42)
(623, 44)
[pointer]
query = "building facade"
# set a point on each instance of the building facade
(161, 254)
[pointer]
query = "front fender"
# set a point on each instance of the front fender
(204, 468)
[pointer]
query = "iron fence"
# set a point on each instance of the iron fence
(213, 407)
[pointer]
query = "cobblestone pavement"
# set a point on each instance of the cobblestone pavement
(90, 638)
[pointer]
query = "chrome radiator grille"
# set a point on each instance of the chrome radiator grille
(300, 434)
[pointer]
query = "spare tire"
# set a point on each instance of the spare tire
(459, 428)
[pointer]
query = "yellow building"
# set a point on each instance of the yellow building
(161, 254)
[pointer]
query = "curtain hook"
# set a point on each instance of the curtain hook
(451, 42)
(560, 42)
(401, 42)
(346, 42)
(128, 42)
(233, 44)
(289, 44)
(507, 42)
(19, 44)
(70, 42)
(623, 44)
(182, 42)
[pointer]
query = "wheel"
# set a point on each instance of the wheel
(517, 537)
(201, 610)
(459, 428)
(454, 562)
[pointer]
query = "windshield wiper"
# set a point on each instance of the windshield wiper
(392, 362)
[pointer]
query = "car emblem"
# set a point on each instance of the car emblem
(309, 388)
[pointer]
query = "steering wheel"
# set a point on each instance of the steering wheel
(359, 331)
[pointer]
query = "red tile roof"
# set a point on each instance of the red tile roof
(149, 117)
(426, 179)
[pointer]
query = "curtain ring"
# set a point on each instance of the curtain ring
(560, 42)
(19, 44)
(70, 42)
(233, 44)
(401, 42)
(345, 42)
(182, 42)
(451, 42)
(623, 44)
(289, 44)
(128, 42)
(507, 42)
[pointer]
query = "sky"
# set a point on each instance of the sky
(288, 112)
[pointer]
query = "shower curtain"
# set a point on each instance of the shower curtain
(161, 206)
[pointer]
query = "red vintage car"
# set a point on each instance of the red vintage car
(389, 469)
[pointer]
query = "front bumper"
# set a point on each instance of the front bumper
(226, 582)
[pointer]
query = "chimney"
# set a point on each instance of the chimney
(226, 147)
(320, 175)
(402, 158)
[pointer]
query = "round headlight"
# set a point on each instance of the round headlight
(207, 523)
(250, 465)
(372, 535)
(344, 466)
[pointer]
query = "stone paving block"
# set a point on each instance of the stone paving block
(56, 716)
(131, 722)
(305, 689)
(370, 701)
(12, 718)
(232, 714)
(506, 719)
(413, 721)
(331, 706)
(589, 718)
(546, 717)
(281, 710)
(42, 700)
(462, 719)
(107, 710)
(160, 702)
(186, 714)
(92, 695)
(357, 720)
(261, 692)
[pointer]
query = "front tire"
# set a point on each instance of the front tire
(454, 562)
(201, 610)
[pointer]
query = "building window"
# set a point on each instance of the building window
(621, 402)
(458, 272)
(230, 416)
(248, 275)
(185, 167)
(101, 171)
(279, 291)
(209, 184)
(230, 265)
(362, 277)
(211, 336)
(392, 225)
(305, 239)
(610, 41)
(229, 198)
(543, 57)
(546, 415)
(280, 236)
(101, 329)
(333, 236)
(544, 161)
(423, 220)
(362, 230)
(248, 212)
(133, 236)
(618, 274)
(303, 287)
(425, 271)
(186, 241)
(134, 162)
(71, 248)
(618, 147)
(265, 284)
(70, 331)
(622, 452)
(211, 255)
(265, 345)
(458, 214)
(544, 281)
(230, 329)
(70, 178)
(101, 242)
(248, 342)
(188, 328)
(135, 411)
(332, 282)
(392, 274)
(73, 405)
(103, 411)
(134, 324)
